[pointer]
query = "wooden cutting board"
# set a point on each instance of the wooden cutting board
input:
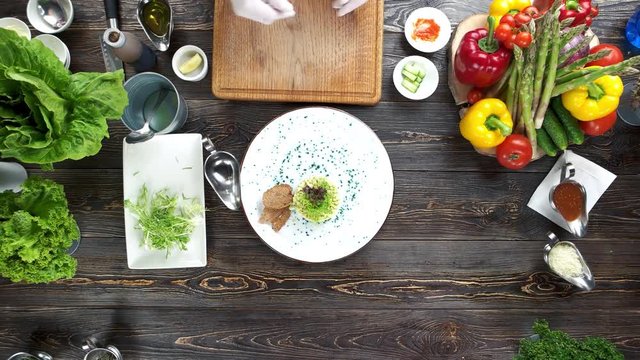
(313, 57)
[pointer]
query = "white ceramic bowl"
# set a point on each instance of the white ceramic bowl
(428, 85)
(185, 53)
(57, 46)
(428, 13)
(40, 25)
(16, 25)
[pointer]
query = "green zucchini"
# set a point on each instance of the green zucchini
(545, 143)
(554, 128)
(574, 133)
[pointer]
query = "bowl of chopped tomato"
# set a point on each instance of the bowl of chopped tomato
(428, 29)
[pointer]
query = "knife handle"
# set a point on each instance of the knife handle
(111, 9)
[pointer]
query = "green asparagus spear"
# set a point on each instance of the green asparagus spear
(526, 97)
(582, 62)
(607, 70)
(551, 76)
(571, 33)
(542, 40)
(501, 84)
(574, 50)
(512, 89)
(574, 75)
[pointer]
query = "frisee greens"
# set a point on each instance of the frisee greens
(36, 229)
(558, 345)
(166, 220)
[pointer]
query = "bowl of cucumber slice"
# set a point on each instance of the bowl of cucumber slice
(416, 77)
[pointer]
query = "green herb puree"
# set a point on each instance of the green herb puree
(316, 199)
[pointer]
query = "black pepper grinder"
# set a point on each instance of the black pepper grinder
(128, 48)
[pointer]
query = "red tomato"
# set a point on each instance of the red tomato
(509, 42)
(614, 57)
(503, 32)
(595, 11)
(474, 96)
(599, 126)
(515, 152)
(532, 11)
(522, 19)
(523, 39)
(508, 19)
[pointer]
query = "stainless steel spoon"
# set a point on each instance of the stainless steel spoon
(577, 227)
(146, 132)
(585, 281)
(222, 171)
(52, 13)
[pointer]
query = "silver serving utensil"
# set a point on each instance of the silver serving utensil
(52, 13)
(585, 281)
(12, 175)
(222, 171)
(160, 41)
(577, 227)
(146, 132)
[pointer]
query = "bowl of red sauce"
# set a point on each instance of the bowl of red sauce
(428, 29)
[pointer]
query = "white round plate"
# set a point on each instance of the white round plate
(428, 85)
(319, 141)
(436, 15)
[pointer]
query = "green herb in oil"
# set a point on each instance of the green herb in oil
(166, 221)
(156, 16)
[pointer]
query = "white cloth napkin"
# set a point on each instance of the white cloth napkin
(594, 178)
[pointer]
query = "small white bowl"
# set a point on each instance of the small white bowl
(436, 15)
(16, 25)
(39, 24)
(57, 46)
(428, 85)
(184, 54)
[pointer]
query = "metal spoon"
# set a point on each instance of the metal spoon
(146, 132)
(222, 171)
(585, 281)
(12, 175)
(52, 13)
(577, 227)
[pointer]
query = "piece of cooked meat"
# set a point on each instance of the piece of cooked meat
(278, 197)
(277, 217)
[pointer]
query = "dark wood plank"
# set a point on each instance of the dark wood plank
(427, 205)
(255, 334)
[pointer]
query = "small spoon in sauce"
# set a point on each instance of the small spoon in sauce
(569, 199)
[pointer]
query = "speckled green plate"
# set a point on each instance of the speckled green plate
(326, 142)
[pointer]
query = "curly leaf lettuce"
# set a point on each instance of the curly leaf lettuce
(47, 114)
(36, 229)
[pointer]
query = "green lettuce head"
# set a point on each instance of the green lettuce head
(47, 114)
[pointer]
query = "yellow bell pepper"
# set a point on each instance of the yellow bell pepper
(594, 100)
(487, 123)
(499, 8)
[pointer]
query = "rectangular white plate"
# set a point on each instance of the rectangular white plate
(172, 162)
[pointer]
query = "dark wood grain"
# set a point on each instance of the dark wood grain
(455, 273)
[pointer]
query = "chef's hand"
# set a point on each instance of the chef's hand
(346, 6)
(263, 11)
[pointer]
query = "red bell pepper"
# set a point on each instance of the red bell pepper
(481, 60)
(579, 10)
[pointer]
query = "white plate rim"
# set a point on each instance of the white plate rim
(386, 157)
(445, 29)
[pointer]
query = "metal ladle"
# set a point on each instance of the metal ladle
(52, 13)
(577, 227)
(585, 281)
(222, 171)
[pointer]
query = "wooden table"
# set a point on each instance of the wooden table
(456, 271)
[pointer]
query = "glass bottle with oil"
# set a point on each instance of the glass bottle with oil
(156, 18)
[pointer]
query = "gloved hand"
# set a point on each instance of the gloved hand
(263, 11)
(346, 6)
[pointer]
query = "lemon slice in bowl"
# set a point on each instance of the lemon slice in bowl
(191, 65)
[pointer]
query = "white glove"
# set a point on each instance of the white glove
(346, 6)
(263, 11)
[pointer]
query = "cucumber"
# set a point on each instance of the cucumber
(545, 143)
(410, 76)
(422, 74)
(412, 68)
(554, 128)
(574, 133)
(409, 85)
